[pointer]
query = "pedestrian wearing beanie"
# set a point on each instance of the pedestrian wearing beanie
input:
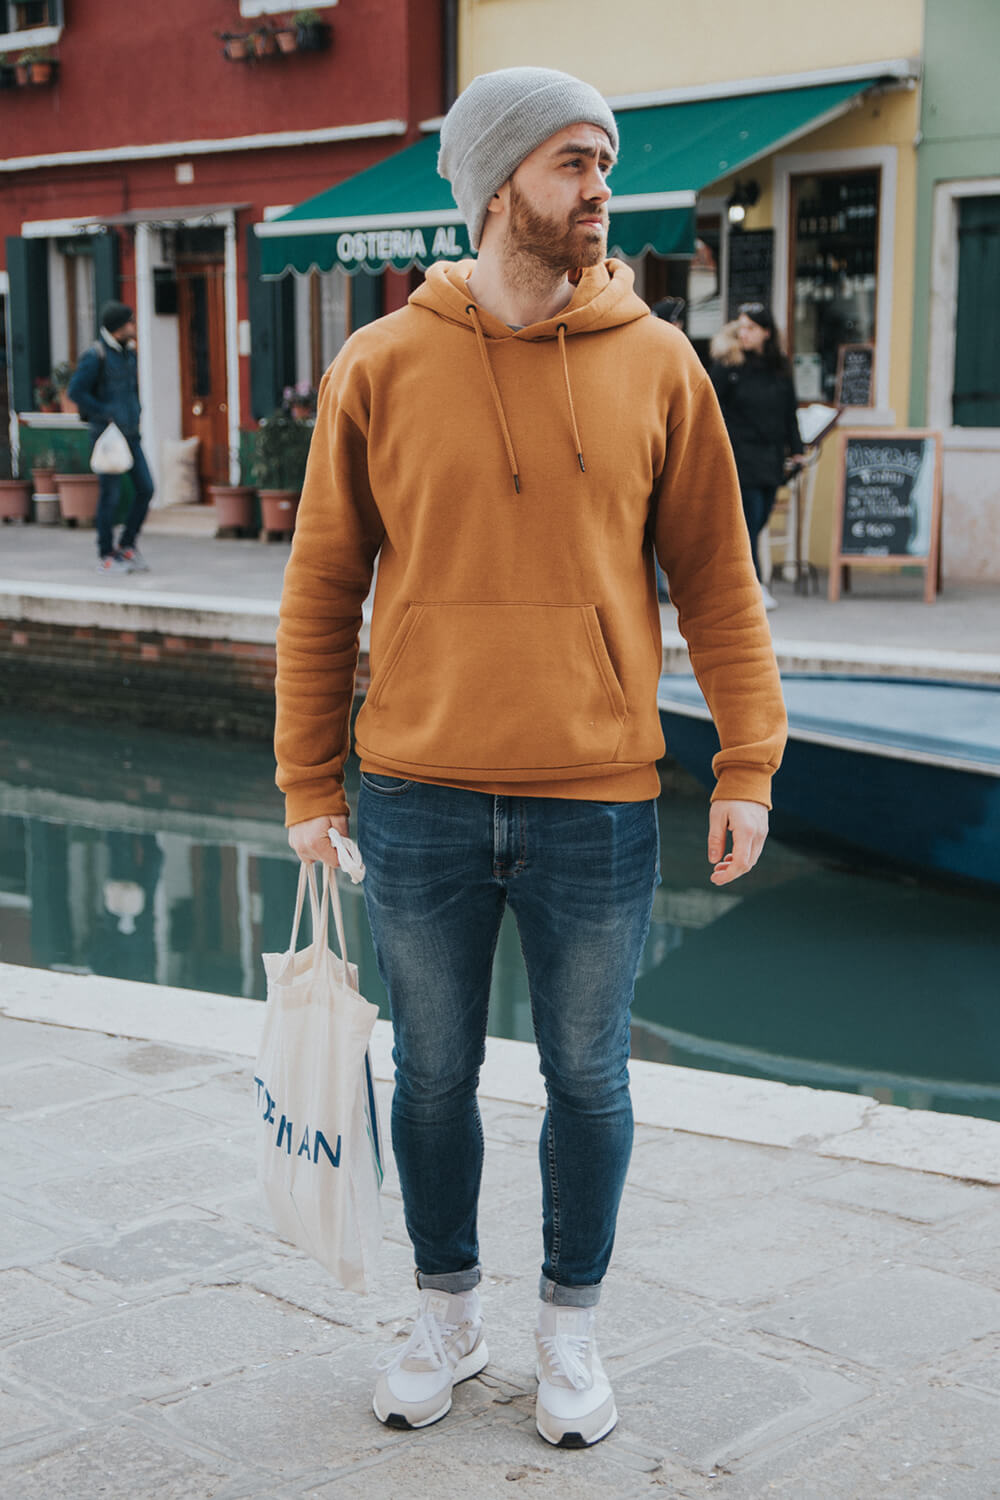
(515, 445)
(105, 387)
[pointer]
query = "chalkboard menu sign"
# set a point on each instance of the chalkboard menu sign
(855, 371)
(888, 506)
(751, 268)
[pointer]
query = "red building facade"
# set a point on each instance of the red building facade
(136, 168)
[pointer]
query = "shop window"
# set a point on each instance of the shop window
(74, 290)
(976, 394)
(835, 231)
(329, 319)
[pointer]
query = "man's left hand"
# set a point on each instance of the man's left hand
(747, 822)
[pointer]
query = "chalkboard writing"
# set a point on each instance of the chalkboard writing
(888, 493)
(888, 502)
(751, 268)
(855, 368)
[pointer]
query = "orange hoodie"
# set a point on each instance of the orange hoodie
(513, 484)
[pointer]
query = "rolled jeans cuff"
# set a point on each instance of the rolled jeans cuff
(568, 1296)
(451, 1281)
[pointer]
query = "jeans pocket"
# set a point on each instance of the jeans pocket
(385, 786)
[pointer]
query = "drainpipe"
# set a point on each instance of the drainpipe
(449, 54)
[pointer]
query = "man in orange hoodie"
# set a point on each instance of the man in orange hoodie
(513, 445)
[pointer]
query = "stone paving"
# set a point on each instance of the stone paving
(776, 1322)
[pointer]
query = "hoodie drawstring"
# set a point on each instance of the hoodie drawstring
(569, 397)
(495, 391)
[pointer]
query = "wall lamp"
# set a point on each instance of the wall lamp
(743, 196)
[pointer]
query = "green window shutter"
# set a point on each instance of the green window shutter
(366, 299)
(30, 354)
(272, 333)
(976, 397)
(106, 280)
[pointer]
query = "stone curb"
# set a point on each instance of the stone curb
(755, 1111)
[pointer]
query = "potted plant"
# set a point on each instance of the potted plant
(235, 505)
(78, 491)
(62, 374)
(36, 66)
(46, 395)
(237, 46)
(281, 449)
(264, 42)
(15, 494)
(286, 35)
(299, 401)
(312, 34)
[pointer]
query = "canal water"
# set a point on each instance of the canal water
(161, 857)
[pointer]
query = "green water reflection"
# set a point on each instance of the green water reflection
(161, 857)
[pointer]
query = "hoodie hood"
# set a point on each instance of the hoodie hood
(603, 297)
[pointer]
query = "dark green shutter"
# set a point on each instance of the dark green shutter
(30, 354)
(366, 299)
(106, 280)
(976, 398)
(272, 333)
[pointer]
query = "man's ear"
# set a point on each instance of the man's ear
(498, 202)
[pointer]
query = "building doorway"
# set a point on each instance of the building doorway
(201, 309)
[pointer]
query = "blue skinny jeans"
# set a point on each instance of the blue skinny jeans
(579, 877)
(107, 502)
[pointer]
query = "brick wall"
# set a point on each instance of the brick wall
(188, 683)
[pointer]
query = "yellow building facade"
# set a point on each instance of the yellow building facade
(832, 201)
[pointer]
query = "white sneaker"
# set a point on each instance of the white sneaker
(445, 1348)
(770, 602)
(575, 1406)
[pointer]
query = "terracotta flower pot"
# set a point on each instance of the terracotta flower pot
(41, 72)
(22, 73)
(78, 497)
(287, 40)
(44, 480)
(234, 508)
(66, 405)
(237, 48)
(15, 499)
(264, 44)
(278, 510)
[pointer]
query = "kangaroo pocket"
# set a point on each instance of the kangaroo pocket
(495, 687)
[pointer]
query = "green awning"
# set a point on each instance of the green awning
(400, 213)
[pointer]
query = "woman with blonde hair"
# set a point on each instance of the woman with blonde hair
(753, 381)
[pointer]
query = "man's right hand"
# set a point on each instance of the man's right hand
(311, 842)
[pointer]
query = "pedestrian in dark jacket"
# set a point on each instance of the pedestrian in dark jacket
(105, 387)
(753, 381)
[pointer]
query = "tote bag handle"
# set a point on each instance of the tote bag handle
(320, 907)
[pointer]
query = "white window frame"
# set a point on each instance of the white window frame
(943, 311)
(29, 36)
(250, 8)
(885, 158)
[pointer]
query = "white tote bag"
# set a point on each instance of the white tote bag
(112, 454)
(319, 1138)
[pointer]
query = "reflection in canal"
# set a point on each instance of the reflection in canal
(161, 857)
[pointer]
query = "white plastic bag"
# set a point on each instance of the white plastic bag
(319, 1146)
(112, 454)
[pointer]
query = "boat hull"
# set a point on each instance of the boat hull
(937, 817)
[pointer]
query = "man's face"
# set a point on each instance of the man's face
(558, 199)
(125, 332)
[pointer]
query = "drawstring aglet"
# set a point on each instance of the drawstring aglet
(517, 484)
(583, 466)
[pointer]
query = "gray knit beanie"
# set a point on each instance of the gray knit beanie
(499, 120)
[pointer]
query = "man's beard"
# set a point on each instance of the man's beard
(558, 245)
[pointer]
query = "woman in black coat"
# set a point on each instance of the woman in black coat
(753, 381)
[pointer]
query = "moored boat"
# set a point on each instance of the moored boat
(907, 770)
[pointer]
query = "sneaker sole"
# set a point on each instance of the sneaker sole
(472, 1364)
(577, 1439)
